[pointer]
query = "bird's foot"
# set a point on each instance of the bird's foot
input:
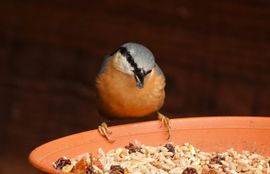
(165, 121)
(105, 132)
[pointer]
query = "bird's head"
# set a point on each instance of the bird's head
(136, 60)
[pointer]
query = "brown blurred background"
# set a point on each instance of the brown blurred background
(215, 55)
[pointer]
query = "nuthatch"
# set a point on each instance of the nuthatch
(130, 84)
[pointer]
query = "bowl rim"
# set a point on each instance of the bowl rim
(38, 154)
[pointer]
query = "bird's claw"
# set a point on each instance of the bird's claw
(105, 132)
(165, 121)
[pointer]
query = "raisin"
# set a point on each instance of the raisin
(217, 160)
(269, 163)
(81, 167)
(90, 170)
(133, 148)
(116, 169)
(190, 170)
(210, 171)
(170, 148)
(61, 162)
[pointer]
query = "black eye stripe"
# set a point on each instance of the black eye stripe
(149, 71)
(131, 61)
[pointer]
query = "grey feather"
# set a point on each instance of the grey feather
(159, 71)
(105, 63)
(142, 56)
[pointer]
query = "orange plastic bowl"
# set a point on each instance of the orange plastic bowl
(206, 133)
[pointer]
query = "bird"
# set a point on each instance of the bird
(130, 84)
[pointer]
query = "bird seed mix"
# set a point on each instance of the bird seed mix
(136, 158)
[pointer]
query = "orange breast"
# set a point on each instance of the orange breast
(118, 95)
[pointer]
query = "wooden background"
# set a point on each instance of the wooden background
(215, 55)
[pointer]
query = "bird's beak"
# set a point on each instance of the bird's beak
(139, 80)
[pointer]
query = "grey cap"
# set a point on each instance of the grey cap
(142, 56)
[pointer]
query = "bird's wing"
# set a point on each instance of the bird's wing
(105, 63)
(159, 71)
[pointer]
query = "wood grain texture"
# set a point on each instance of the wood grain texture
(215, 55)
